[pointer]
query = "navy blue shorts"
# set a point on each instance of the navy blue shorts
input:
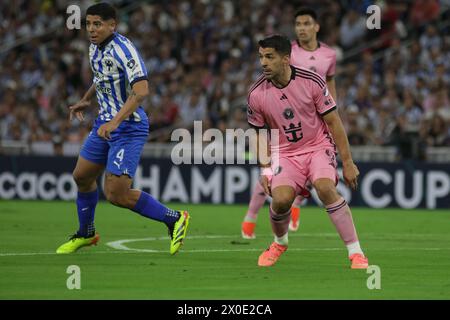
(120, 155)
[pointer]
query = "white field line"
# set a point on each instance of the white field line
(120, 247)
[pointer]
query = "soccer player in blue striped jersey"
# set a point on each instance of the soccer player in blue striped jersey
(119, 133)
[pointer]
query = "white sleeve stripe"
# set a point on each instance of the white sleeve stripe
(122, 57)
(118, 58)
(132, 52)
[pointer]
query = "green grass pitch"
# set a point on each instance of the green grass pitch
(411, 247)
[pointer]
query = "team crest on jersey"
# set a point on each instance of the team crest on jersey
(108, 64)
(288, 113)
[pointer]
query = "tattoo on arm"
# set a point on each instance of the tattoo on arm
(136, 96)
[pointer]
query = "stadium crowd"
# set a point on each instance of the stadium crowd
(392, 84)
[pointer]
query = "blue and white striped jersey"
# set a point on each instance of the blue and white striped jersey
(116, 66)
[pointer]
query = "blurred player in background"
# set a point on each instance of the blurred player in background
(296, 101)
(119, 133)
(309, 53)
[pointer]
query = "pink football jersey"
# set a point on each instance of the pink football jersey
(295, 110)
(322, 60)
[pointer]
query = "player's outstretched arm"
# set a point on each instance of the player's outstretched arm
(77, 108)
(350, 171)
(138, 93)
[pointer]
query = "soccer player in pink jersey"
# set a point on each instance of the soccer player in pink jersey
(309, 53)
(297, 103)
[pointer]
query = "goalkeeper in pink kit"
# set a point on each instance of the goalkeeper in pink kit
(297, 103)
(309, 53)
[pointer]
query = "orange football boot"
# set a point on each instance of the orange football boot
(248, 230)
(295, 219)
(271, 255)
(359, 261)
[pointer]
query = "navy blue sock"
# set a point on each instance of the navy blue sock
(149, 207)
(86, 203)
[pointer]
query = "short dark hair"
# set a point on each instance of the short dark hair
(280, 43)
(103, 9)
(306, 11)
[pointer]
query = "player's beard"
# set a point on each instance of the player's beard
(279, 77)
(304, 39)
(269, 75)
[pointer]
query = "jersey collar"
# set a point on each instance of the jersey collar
(106, 41)
(292, 78)
(318, 46)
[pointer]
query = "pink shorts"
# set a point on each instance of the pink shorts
(298, 171)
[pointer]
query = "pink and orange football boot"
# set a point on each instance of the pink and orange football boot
(271, 255)
(248, 230)
(359, 261)
(295, 219)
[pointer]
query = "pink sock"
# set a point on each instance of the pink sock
(256, 202)
(341, 216)
(298, 200)
(280, 222)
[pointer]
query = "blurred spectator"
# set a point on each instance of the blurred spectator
(412, 113)
(435, 132)
(430, 38)
(353, 28)
(202, 58)
(57, 145)
(355, 125)
(355, 135)
(392, 26)
(401, 139)
(239, 119)
(437, 103)
(424, 11)
(193, 108)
